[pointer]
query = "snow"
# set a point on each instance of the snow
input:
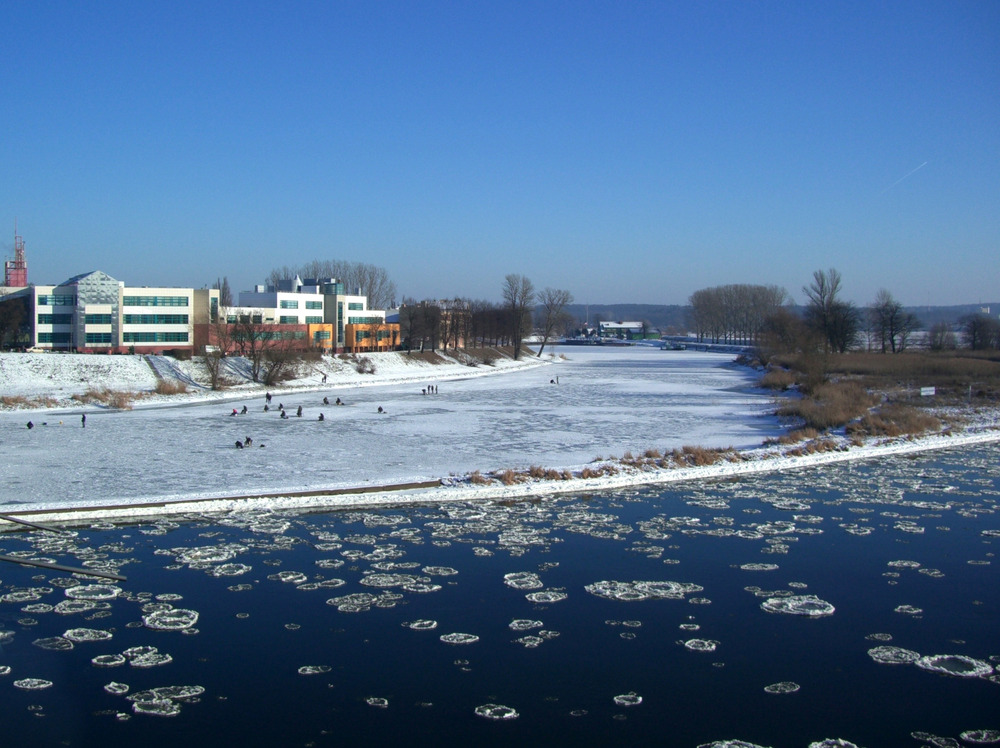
(177, 453)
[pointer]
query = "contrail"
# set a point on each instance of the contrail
(905, 176)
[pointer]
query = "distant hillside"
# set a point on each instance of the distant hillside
(664, 316)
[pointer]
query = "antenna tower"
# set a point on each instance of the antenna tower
(15, 272)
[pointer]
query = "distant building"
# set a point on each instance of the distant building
(94, 313)
(626, 330)
(319, 308)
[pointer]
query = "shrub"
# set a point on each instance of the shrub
(536, 472)
(831, 405)
(777, 379)
(364, 365)
(478, 479)
(173, 387)
(894, 420)
(14, 401)
(508, 477)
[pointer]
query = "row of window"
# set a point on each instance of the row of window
(97, 319)
(155, 301)
(355, 306)
(156, 319)
(53, 337)
(365, 321)
(55, 319)
(56, 300)
(98, 337)
(155, 337)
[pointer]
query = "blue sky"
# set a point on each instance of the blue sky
(627, 152)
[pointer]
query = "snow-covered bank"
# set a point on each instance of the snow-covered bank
(45, 381)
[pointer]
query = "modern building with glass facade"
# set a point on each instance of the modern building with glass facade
(95, 313)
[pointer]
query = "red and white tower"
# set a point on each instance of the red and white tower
(15, 272)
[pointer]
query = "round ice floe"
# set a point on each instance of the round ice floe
(157, 708)
(785, 686)
(55, 643)
(87, 635)
(496, 711)
(547, 596)
(888, 655)
(391, 580)
(981, 737)
(440, 571)
(4, 669)
(116, 689)
(531, 642)
(628, 699)
(759, 567)
(424, 624)
(523, 580)
(178, 693)
(112, 660)
(32, 684)
(153, 659)
(314, 669)
(289, 577)
(833, 743)
(798, 605)
(36, 608)
(701, 645)
(879, 637)
(422, 587)
(377, 701)
(958, 665)
(171, 620)
(229, 570)
(93, 592)
(730, 744)
(909, 610)
(524, 624)
(458, 638)
(211, 554)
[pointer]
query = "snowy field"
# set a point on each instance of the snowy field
(607, 401)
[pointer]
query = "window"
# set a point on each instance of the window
(155, 337)
(55, 319)
(314, 305)
(53, 337)
(98, 337)
(365, 321)
(289, 304)
(288, 320)
(56, 300)
(314, 320)
(155, 301)
(154, 319)
(355, 306)
(321, 335)
(96, 319)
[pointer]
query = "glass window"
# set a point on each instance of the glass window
(97, 319)
(288, 320)
(355, 306)
(314, 320)
(155, 301)
(285, 304)
(314, 305)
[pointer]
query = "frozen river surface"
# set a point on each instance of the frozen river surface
(606, 402)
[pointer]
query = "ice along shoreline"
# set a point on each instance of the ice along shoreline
(453, 489)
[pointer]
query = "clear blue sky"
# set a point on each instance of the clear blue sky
(625, 151)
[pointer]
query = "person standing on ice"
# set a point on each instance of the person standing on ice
(83, 420)
(299, 412)
(267, 396)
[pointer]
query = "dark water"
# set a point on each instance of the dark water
(938, 510)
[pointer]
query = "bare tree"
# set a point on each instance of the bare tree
(941, 337)
(225, 293)
(13, 313)
(891, 326)
(373, 281)
(980, 331)
(554, 316)
(836, 320)
(518, 296)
